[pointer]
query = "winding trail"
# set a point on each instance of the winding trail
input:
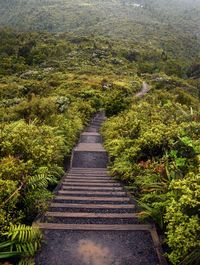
(144, 90)
(92, 220)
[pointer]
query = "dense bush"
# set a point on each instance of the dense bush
(50, 87)
(154, 148)
(30, 154)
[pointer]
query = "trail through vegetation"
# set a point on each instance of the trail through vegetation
(61, 62)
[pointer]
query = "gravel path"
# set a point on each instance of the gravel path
(97, 248)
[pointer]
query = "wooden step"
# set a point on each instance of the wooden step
(91, 181)
(89, 174)
(94, 227)
(95, 193)
(90, 134)
(93, 206)
(91, 127)
(88, 168)
(82, 198)
(98, 123)
(90, 147)
(92, 215)
(95, 124)
(96, 184)
(93, 188)
(88, 179)
(83, 176)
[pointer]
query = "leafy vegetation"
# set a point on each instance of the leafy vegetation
(154, 149)
(23, 241)
(52, 83)
(143, 21)
(42, 109)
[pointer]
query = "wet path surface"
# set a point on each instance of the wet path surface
(91, 220)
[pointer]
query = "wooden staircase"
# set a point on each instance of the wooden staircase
(90, 200)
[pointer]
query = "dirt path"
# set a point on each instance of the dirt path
(91, 220)
(145, 89)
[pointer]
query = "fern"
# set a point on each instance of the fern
(40, 181)
(151, 212)
(6, 250)
(192, 259)
(26, 239)
(26, 262)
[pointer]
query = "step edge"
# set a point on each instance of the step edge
(96, 227)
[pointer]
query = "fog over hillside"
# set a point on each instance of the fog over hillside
(151, 21)
(80, 15)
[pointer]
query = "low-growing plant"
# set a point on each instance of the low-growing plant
(22, 242)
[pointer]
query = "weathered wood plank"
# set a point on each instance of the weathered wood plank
(158, 246)
(93, 206)
(89, 180)
(110, 193)
(93, 227)
(92, 188)
(90, 174)
(92, 215)
(97, 184)
(80, 198)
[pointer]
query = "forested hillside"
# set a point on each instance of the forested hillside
(62, 61)
(174, 26)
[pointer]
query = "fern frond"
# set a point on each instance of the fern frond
(5, 244)
(26, 262)
(23, 233)
(8, 254)
(38, 181)
(192, 259)
(26, 239)
(6, 250)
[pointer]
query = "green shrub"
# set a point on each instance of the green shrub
(36, 108)
(12, 168)
(182, 218)
(30, 142)
(154, 149)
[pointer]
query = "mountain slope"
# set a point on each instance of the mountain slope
(174, 27)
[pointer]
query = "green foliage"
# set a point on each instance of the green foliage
(43, 109)
(26, 239)
(154, 149)
(52, 84)
(192, 258)
(36, 108)
(183, 208)
(23, 241)
(30, 142)
(173, 29)
(5, 253)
